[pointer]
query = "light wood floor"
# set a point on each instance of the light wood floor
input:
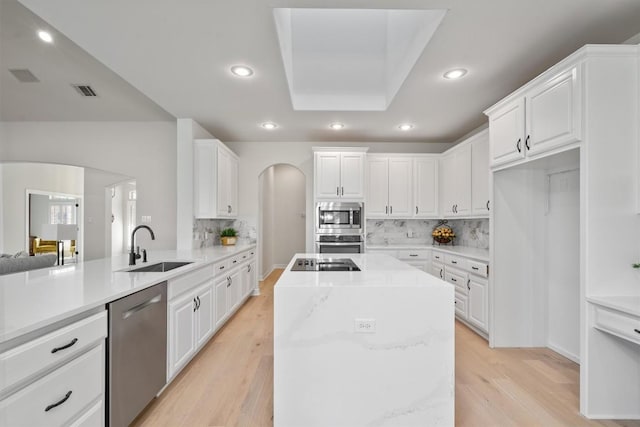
(230, 382)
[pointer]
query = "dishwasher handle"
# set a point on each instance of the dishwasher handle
(142, 306)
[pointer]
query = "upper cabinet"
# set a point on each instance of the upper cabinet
(339, 174)
(480, 174)
(455, 190)
(544, 118)
(389, 186)
(215, 180)
(401, 187)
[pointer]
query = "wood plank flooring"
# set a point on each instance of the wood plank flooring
(230, 382)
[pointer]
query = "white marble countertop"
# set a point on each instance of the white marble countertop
(626, 304)
(476, 253)
(38, 298)
(377, 270)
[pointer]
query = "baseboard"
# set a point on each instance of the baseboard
(564, 353)
(273, 267)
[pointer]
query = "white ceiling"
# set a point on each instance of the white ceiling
(178, 54)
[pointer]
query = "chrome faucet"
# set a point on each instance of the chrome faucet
(133, 256)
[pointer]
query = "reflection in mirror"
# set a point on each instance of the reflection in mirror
(54, 225)
(97, 236)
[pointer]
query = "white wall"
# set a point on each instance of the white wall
(144, 150)
(290, 216)
(266, 229)
(17, 178)
(255, 157)
(38, 213)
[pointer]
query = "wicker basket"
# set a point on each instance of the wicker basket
(442, 233)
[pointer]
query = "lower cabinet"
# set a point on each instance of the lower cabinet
(234, 288)
(190, 325)
(478, 302)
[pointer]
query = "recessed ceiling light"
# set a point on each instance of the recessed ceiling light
(45, 36)
(455, 74)
(269, 125)
(241, 71)
(336, 126)
(405, 126)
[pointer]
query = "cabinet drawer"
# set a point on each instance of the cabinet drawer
(252, 253)
(438, 256)
(220, 268)
(72, 387)
(414, 254)
(389, 252)
(244, 256)
(478, 268)
(235, 261)
(620, 324)
(51, 349)
(461, 303)
(93, 417)
(457, 279)
(183, 283)
(456, 261)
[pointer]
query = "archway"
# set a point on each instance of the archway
(282, 216)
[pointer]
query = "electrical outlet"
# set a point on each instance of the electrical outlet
(365, 326)
(146, 219)
(409, 233)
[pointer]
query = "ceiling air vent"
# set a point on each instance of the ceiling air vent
(85, 90)
(24, 75)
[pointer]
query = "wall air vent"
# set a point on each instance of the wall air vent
(85, 90)
(24, 75)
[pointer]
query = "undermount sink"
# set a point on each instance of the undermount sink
(159, 267)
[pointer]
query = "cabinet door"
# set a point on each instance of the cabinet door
(232, 188)
(377, 188)
(553, 113)
(480, 175)
(248, 281)
(204, 179)
(204, 314)
(233, 290)
(400, 187)
(223, 168)
(478, 302)
(181, 332)
(506, 133)
(447, 185)
(220, 313)
(462, 180)
(352, 175)
(327, 175)
(425, 184)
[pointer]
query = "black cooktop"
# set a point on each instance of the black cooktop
(324, 264)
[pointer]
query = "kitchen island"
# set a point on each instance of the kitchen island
(373, 347)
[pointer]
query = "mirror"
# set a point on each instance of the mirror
(104, 217)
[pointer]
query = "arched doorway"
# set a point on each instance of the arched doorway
(282, 216)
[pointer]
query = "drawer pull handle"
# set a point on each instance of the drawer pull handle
(53, 405)
(637, 330)
(474, 268)
(413, 254)
(454, 262)
(468, 284)
(235, 261)
(64, 347)
(221, 267)
(453, 279)
(141, 307)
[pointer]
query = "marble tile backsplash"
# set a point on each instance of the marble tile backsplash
(472, 233)
(206, 232)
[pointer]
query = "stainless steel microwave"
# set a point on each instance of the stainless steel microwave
(339, 218)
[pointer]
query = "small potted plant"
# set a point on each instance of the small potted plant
(228, 237)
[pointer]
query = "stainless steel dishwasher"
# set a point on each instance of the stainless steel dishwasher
(137, 353)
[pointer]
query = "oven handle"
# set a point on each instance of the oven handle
(340, 243)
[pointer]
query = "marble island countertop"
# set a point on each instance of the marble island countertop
(35, 299)
(377, 270)
(477, 253)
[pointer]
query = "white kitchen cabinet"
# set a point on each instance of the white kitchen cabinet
(390, 187)
(55, 378)
(190, 325)
(480, 175)
(234, 287)
(478, 302)
(542, 119)
(456, 182)
(215, 180)
(339, 175)
(425, 184)
(221, 301)
(249, 279)
(418, 258)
